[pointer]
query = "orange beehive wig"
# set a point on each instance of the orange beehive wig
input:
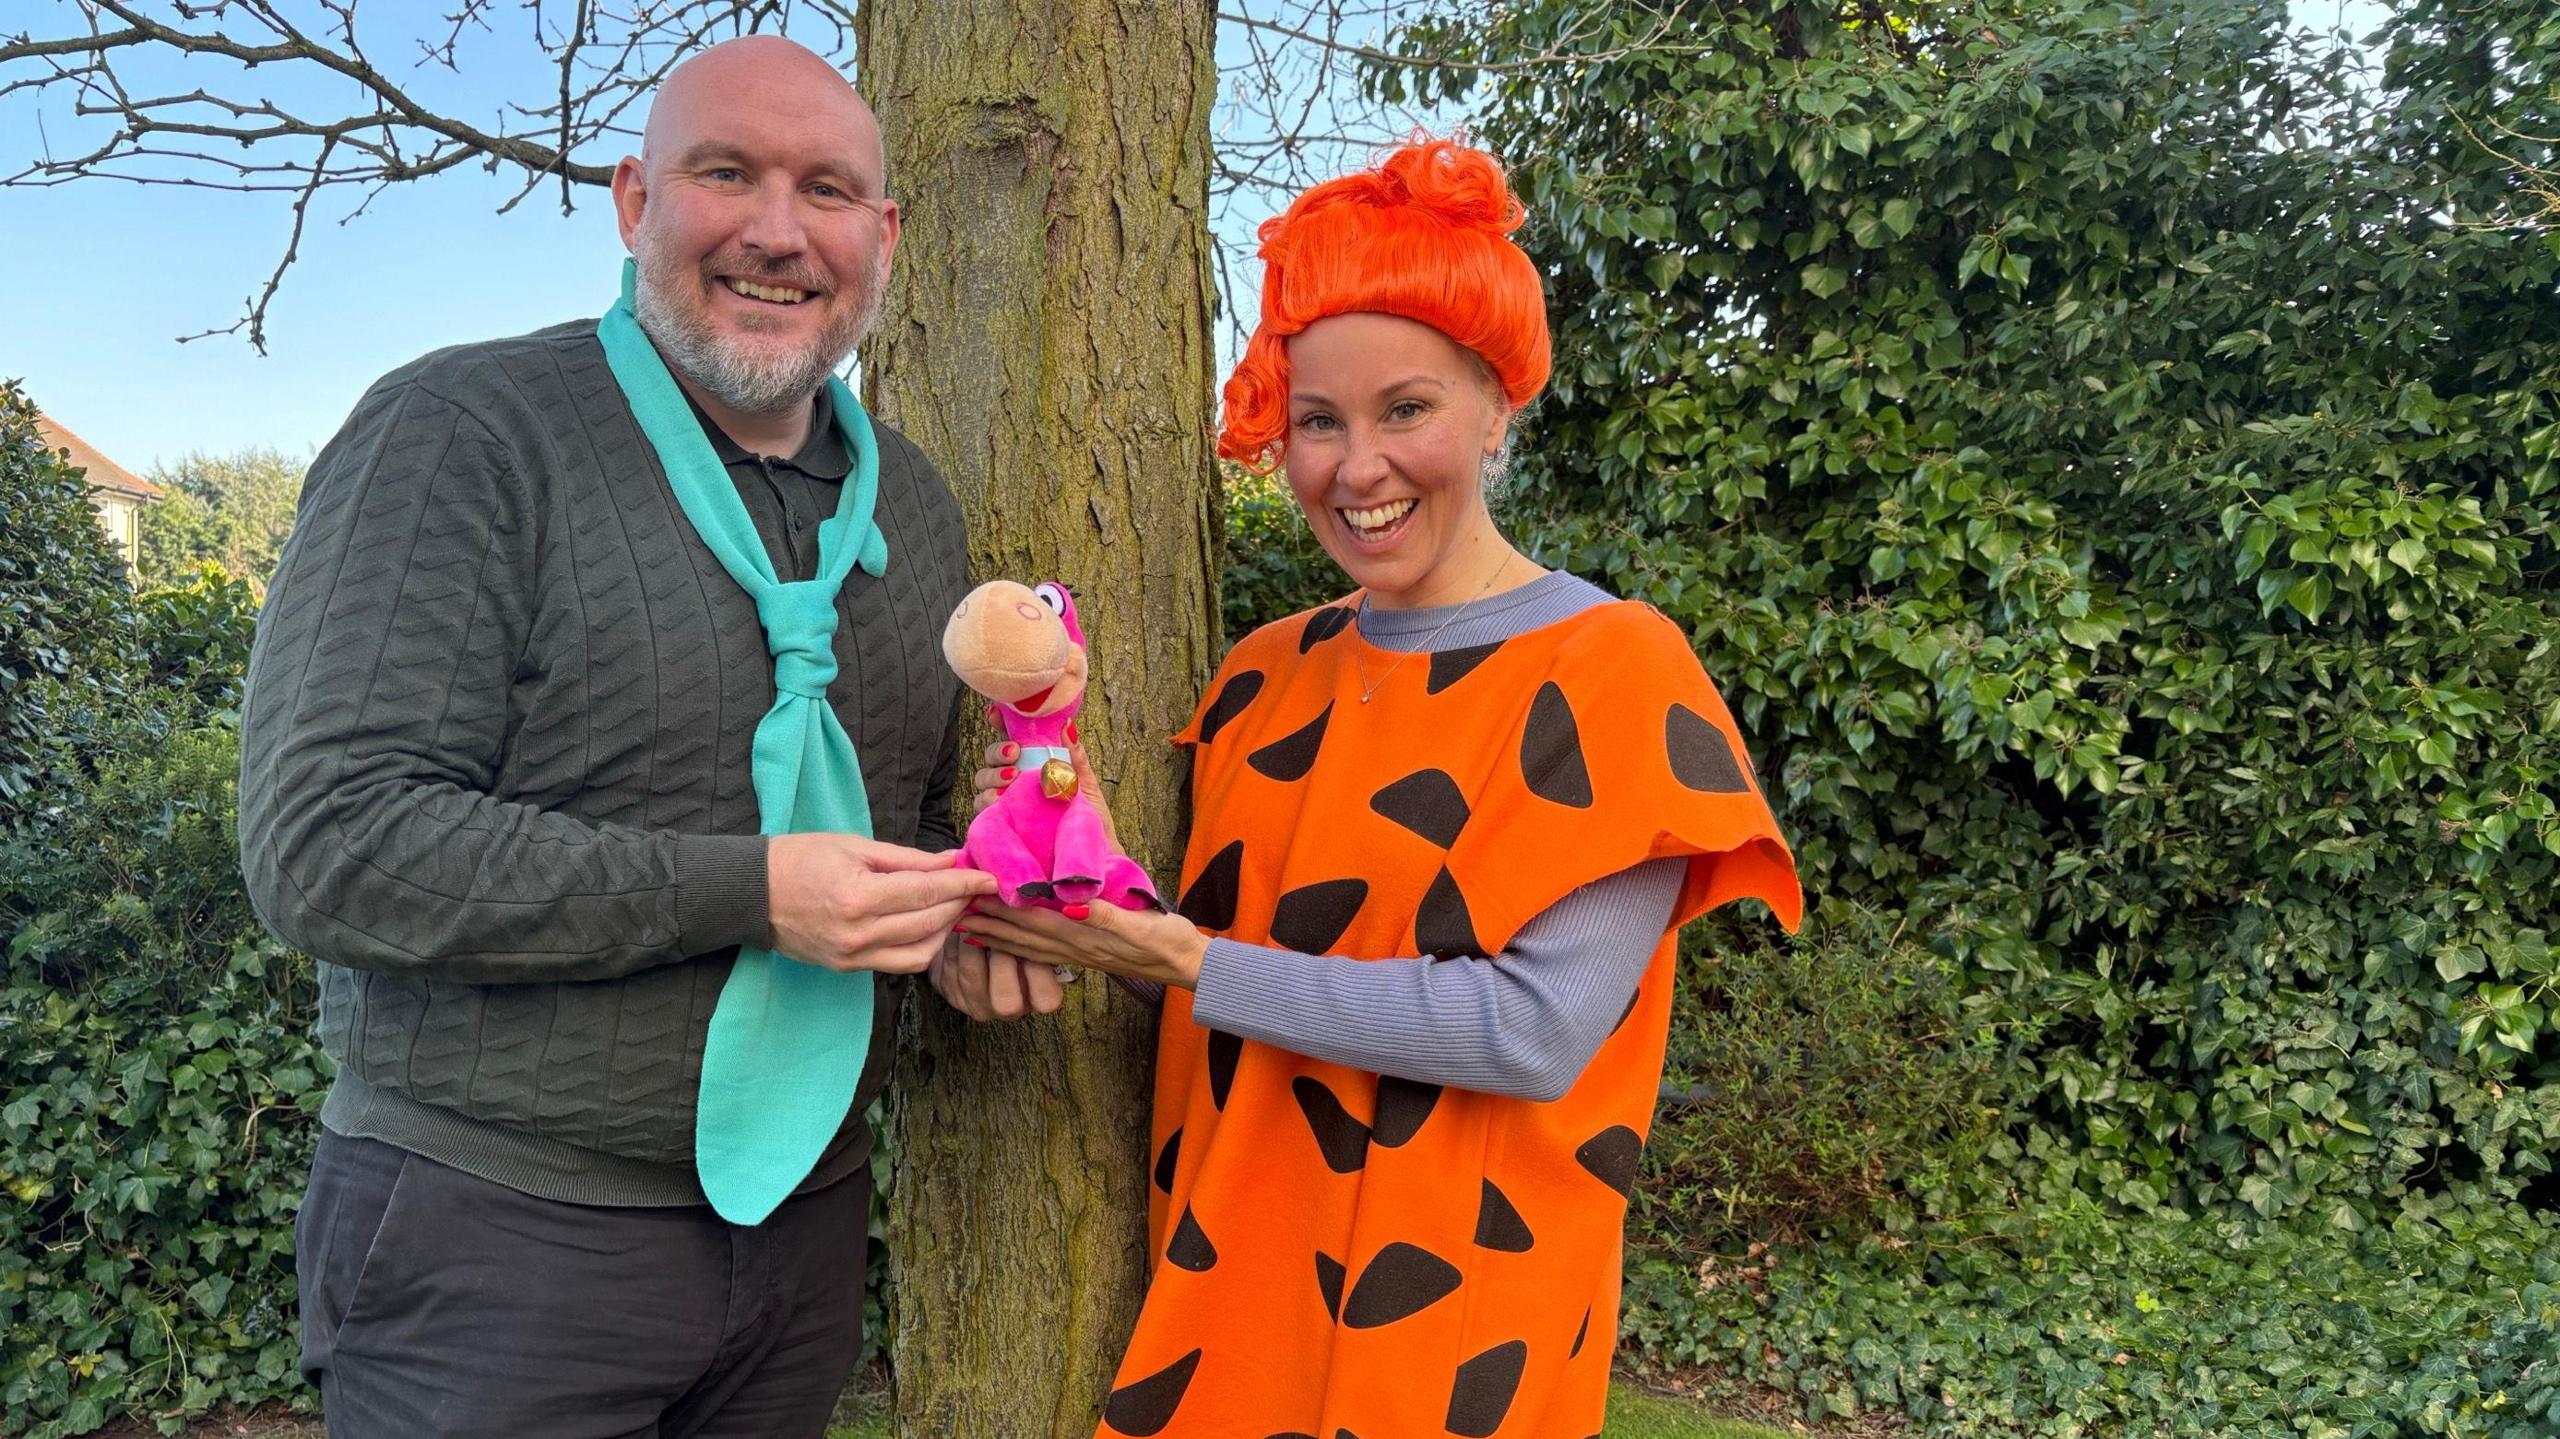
(1425, 235)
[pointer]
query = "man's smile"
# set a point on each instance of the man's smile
(768, 294)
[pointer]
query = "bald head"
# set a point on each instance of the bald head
(758, 210)
(778, 72)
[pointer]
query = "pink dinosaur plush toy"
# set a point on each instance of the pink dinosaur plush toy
(1022, 648)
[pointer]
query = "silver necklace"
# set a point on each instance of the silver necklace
(1367, 688)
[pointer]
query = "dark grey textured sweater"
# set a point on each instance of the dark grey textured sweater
(495, 759)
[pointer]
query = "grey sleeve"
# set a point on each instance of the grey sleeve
(1523, 1023)
(378, 715)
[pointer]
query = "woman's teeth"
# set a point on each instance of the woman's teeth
(774, 293)
(1377, 519)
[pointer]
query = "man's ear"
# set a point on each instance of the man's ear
(630, 196)
(888, 238)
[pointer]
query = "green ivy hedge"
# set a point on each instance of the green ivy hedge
(2107, 453)
(158, 1091)
(2081, 1321)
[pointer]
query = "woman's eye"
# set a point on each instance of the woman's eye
(1405, 410)
(1315, 422)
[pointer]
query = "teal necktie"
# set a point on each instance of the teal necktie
(788, 1039)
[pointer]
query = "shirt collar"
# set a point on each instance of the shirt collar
(822, 456)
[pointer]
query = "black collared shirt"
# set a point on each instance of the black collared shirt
(788, 498)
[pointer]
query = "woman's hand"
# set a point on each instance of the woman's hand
(987, 783)
(1131, 943)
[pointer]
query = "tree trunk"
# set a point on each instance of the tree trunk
(1046, 341)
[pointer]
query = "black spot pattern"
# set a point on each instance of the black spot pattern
(1450, 666)
(1481, 1397)
(1289, 757)
(1329, 1282)
(1611, 1157)
(1442, 928)
(1403, 1105)
(1499, 1225)
(1323, 625)
(1210, 902)
(1310, 918)
(1580, 1334)
(1401, 1282)
(1427, 802)
(1551, 751)
(1701, 757)
(1224, 1050)
(1343, 1139)
(1190, 1247)
(1233, 696)
(1165, 1159)
(1146, 1405)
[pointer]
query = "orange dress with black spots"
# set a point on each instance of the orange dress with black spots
(1346, 1256)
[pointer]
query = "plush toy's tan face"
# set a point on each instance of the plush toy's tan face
(1008, 644)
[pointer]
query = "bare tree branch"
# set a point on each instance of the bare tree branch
(1297, 102)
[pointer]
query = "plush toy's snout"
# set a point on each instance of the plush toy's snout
(1007, 644)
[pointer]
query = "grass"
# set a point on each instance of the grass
(1633, 1414)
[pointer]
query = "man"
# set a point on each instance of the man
(503, 761)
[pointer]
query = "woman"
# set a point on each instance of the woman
(1445, 829)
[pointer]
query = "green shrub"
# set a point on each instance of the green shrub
(1272, 566)
(194, 639)
(2107, 453)
(158, 1090)
(64, 604)
(1807, 1084)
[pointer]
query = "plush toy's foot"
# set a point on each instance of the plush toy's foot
(1127, 886)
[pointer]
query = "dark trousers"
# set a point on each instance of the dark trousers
(435, 1303)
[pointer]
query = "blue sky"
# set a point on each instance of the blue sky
(105, 276)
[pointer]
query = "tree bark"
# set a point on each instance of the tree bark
(1046, 340)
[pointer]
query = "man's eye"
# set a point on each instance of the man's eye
(829, 191)
(726, 173)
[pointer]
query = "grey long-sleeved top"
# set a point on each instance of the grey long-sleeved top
(495, 760)
(1522, 1023)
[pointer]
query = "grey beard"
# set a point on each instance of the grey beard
(749, 384)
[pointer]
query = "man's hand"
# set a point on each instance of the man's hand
(842, 902)
(986, 986)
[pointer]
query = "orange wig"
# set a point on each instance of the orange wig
(1425, 235)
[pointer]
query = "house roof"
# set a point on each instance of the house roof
(104, 474)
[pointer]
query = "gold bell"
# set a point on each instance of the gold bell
(1057, 778)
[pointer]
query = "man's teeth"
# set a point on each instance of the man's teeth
(1378, 517)
(775, 293)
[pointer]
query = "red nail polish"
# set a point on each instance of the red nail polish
(1011, 751)
(1005, 773)
(1079, 911)
(1072, 735)
(974, 942)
